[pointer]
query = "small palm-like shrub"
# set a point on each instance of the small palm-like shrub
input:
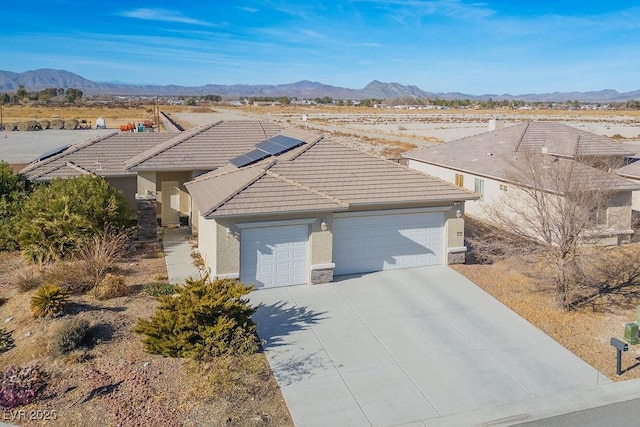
(203, 319)
(70, 335)
(19, 386)
(49, 300)
(112, 286)
(6, 340)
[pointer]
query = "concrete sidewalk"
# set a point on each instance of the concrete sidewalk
(177, 255)
(420, 347)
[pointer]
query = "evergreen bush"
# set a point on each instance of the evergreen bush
(203, 319)
(58, 216)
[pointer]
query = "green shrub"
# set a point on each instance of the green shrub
(112, 286)
(204, 319)
(6, 340)
(13, 192)
(156, 289)
(70, 335)
(58, 216)
(49, 300)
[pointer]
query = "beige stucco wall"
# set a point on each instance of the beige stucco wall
(494, 190)
(128, 186)
(619, 216)
(181, 178)
(207, 242)
(146, 182)
(619, 211)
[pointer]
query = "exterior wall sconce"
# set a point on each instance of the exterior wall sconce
(323, 225)
(458, 207)
(232, 233)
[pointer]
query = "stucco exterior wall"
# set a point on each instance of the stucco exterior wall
(146, 182)
(494, 190)
(615, 230)
(181, 178)
(207, 243)
(129, 187)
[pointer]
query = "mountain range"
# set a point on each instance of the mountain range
(46, 78)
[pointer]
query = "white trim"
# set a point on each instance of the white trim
(278, 223)
(393, 211)
(457, 249)
(327, 266)
(228, 276)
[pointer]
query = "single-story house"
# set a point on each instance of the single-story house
(484, 163)
(154, 166)
(318, 209)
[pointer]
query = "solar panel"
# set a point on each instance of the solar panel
(52, 153)
(270, 147)
(248, 158)
(286, 141)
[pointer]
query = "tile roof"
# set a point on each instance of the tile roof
(320, 175)
(204, 148)
(104, 156)
(632, 170)
(491, 154)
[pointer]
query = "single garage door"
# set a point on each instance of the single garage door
(384, 241)
(274, 256)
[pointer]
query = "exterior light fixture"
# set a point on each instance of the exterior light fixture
(458, 213)
(323, 225)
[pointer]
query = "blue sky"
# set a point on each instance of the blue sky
(464, 46)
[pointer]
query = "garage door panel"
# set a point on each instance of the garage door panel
(274, 256)
(387, 241)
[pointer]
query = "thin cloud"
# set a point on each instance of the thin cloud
(249, 9)
(163, 15)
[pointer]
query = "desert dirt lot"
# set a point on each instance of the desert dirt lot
(111, 380)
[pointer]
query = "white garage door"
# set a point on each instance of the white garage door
(274, 256)
(385, 241)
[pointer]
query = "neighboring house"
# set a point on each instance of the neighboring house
(154, 165)
(321, 209)
(632, 172)
(482, 163)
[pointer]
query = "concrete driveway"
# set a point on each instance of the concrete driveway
(420, 346)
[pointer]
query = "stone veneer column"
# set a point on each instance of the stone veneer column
(147, 213)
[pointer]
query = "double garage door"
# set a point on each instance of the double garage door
(381, 240)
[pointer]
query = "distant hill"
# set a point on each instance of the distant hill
(46, 78)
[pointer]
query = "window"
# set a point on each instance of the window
(459, 180)
(503, 187)
(598, 216)
(479, 188)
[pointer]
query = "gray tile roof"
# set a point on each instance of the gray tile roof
(632, 170)
(491, 154)
(104, 156)
(321, 175)
(204, 148)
